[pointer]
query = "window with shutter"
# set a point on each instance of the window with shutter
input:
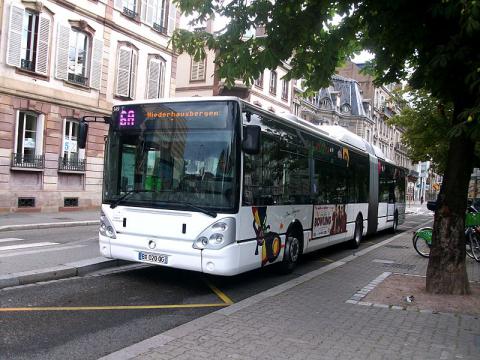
(259, 81)
(127, 7)
(126, 72)
(28, 40)
(273, 82)
(284, 90)
(197, 72)
(155, 81)
(78, 54)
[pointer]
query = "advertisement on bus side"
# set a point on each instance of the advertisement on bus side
(329, 220)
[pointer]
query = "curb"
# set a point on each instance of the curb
(78, 268)
(49, 225)
(200, 323)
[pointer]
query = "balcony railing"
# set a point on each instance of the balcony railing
(72, 164)
(158, 27)
(129, 13)
(28, 161)
(27, 65)
(77, 79)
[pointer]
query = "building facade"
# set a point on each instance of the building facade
(61, 60)
(269, 91)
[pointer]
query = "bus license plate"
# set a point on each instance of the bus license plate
(153, 258)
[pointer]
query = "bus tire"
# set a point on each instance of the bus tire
(394, 228)
(358, 232)
(291, 254)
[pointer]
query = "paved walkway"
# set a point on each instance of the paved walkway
(35, 220)
(313, 317)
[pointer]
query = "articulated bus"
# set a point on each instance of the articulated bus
(220, 186)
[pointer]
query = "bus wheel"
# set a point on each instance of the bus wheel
(358, 233)
(291, 254)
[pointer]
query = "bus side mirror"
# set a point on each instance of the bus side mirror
(82, 134)
(251, 139)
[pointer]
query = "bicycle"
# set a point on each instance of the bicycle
(422, 238)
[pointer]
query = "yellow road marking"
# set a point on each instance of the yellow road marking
(327, 259)
(120, 307)
(219, 293)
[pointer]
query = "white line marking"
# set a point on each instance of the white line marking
(10, 239)
(24, 246)
(41, 250)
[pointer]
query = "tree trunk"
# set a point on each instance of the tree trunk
(446, 272)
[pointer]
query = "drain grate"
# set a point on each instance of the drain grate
(397, 246)
(400, 266)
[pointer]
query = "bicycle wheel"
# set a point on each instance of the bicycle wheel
(422, 241)
(474, 243)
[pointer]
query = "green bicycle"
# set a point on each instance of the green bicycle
(422, 238)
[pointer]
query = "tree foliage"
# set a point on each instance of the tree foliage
(427, 124)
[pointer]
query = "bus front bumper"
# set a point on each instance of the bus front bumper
(178, 254)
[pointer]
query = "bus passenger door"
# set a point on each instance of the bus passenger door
(391, 201)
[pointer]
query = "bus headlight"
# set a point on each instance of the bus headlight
(217, 235)
(106, 227)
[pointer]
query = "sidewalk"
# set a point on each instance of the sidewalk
(38, 220)
(318, 316)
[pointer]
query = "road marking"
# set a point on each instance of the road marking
(10, 239)
(326, 260)
(219, 293)
(24, 246)
(41, 251)
(120, 307)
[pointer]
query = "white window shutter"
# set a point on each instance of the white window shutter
(15, 28)
(162, 80)
(201, 70)
(194, 71)
(123, 71)
(143, 10)
(118, 4)
(153, 80)
(150, 11)
(198, 70)
(172, 14)
(61, 63)
(133, 76)
(96, 70)
(41, 65)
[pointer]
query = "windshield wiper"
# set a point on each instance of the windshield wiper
(195, 207)
(114, 204)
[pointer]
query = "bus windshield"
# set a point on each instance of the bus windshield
(173, 155)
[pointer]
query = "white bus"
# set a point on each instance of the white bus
(220, 186)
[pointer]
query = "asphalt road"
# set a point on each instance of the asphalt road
(41, 248)
(89, 317)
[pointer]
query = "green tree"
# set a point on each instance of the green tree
(426, 123)
(431, 43)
